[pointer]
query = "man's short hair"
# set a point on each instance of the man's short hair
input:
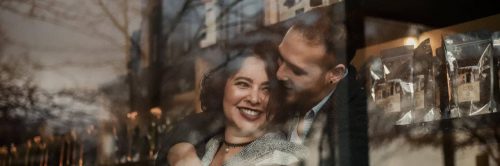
(324, 26)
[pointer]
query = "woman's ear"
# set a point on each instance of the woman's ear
(335, 74)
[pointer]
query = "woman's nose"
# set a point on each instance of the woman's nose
(253, 97)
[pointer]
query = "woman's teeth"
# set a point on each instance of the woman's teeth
(249, 112)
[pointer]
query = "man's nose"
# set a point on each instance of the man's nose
(281, 73)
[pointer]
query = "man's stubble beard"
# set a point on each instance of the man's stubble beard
(301, 103)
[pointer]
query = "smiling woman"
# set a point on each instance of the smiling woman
(247, 91)
(245, 100)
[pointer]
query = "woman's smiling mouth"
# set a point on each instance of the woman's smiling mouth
(250, 114)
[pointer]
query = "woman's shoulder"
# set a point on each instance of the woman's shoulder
(282, 144)
(278, 141)
(274, 149)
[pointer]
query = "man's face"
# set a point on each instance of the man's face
(301, 70)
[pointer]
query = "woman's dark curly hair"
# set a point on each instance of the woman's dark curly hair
(214, 82)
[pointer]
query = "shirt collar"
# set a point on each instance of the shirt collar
(309, 118)
(318, 106)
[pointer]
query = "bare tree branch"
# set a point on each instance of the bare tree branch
(177, 19)
(111, 17)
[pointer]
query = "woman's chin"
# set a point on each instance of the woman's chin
(249, 130)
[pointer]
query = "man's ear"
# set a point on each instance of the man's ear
(335, 74)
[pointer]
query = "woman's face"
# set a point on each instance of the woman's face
(245, 98)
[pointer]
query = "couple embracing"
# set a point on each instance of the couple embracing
(274, 105)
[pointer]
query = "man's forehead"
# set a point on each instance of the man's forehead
(312, 39)
(295, 44)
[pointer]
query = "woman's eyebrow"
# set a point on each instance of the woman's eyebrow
(243, 78)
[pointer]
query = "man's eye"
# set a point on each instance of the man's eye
(297, 72)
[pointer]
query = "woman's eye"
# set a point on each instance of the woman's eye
(242, 84)
(265, 89)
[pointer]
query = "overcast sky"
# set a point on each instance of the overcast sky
(69, 59)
